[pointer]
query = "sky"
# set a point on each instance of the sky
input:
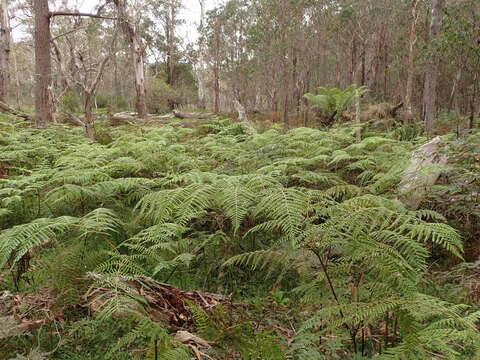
(190, 13)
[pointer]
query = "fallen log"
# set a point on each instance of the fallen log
(123, 117)
(131, 117)
(194, 115)
(5, 108)
(422, 173)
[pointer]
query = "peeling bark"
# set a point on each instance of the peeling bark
(136, 51)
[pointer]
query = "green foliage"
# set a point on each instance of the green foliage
(236, 338)
(110, 101)
(160, 96)
(333, 102)
(306, 213)
(70, 102)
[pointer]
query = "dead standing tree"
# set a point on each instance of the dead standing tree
(90, 74)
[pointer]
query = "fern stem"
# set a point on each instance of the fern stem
(323, 264)
(155, 342)
(363, 341)
(386, 330)
(329, 280)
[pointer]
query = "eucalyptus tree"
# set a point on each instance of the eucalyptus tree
(412, 45)
(164, 39)
(5, 35)
(431, 73)
(137, 52)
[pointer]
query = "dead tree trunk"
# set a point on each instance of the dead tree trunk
(411, 62)
(136, 51)
(431, 75)
(89, 88)
(242, 116)
(4, 50)
(43, 66)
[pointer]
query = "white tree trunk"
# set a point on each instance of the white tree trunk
(137, 56)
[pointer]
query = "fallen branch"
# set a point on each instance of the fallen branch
(5, 108)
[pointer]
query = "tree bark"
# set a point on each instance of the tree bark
(201, 73)
(216, 70)
(411, 62)
(242, 116)
(43, 66)
(137, 57)
(88, 123)
(431, 74)
(4, 50)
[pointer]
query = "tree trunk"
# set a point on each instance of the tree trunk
(17, 80)
(358, 117)
(473, 99)
(43, 66)
(201, 76)
(456, 81)
(411, 62)
(216, 70)
(137, 57)
(431, 74)
(141, 100)
(88, 123)
(4, 50)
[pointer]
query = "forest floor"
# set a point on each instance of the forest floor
(166, 241)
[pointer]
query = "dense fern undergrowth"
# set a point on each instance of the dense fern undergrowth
(301, 228)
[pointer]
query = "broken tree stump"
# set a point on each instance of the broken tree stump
(242, 116)
(422, 173)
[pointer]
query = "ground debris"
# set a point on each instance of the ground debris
(21, 313)
(163, 302)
